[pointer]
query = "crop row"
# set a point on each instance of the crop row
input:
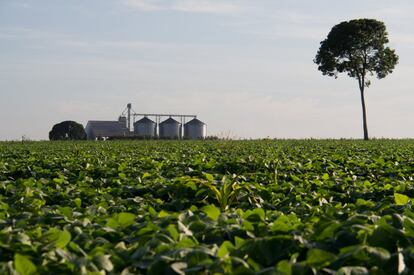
(234, 207)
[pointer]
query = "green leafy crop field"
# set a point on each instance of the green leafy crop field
(214, 207)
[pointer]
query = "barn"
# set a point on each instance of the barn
(99, 129)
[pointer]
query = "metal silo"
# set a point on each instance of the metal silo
(145, 128)
(170, 129)
(195, 129)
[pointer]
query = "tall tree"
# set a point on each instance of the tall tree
(67, 130)
(358, 48)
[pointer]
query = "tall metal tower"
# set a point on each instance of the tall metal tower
(129, 107)
(127, 115)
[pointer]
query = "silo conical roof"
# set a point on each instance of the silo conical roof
(145, 120)
(170, 121)
(195, 121)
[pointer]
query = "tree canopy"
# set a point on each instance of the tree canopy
(67, 130)
(358, 48)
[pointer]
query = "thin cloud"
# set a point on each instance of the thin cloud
(145, 5)
(402, 39)
(304, 33)
(199, 6)
(18, 4)
(30, 33)
(206, 7)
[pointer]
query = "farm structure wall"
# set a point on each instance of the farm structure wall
(97, 129)
(123, 121)
(170, 129)
(195, 129)
(145, 128)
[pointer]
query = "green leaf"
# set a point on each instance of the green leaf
(284, 267)
(123, 219)
(286, 223)
(268, 251)
(163, 214)
(260, 212)
(319, 258)
(401, 199)
(152, 211)
(209, 177)
(112, 222)
(225, 249)
(126, 219)
(78, 202)
(378, 254)
(255, 215)
(325, 176)
(239, 241)
(173, 232)
(122, 167)
(328, 231)
(186, 243)
(211, 211)
(59, 180)
(58, 237)
(66, 211)
(24, 265)
(364, 203)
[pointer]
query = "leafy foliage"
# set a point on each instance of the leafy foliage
(148, 207)
(358, 48)
(67, 130)
(24, 265)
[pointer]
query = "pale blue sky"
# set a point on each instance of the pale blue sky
(244, 67)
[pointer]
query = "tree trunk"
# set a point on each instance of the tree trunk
(364, 114)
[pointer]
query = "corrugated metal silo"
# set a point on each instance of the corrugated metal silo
(145, 128)
(170, 129)
(195, 129)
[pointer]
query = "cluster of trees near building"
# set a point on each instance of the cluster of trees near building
(67, 130)
(356, 47)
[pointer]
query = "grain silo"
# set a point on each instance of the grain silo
(145, 128)
(195, 129)
(170, 129)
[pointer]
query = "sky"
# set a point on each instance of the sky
(243, 67)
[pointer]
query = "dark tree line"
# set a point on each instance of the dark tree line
(67, 130)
